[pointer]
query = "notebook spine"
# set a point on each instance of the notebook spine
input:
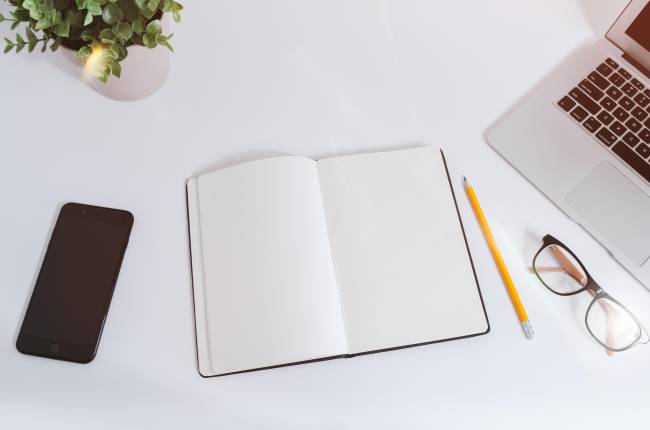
(198, 283)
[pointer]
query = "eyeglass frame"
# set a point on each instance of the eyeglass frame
(593, 288)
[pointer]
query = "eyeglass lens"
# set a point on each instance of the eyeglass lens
(559, 270)
(611, 324)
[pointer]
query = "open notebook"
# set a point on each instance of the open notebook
(295, 260)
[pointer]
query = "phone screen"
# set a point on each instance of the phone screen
(68, 307)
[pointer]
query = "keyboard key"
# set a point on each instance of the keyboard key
(639, 86)
(647, 93)
(621, 114)
(604, 69)
(611, 63)
(633, 125)
(634, 160)
(566, 103)
(624, 73)
(592, 124)
(626, 103)
(629, 89)
(584, 100)
(615, 79)
(591, 89)
(642, 100)
(614, 93)
(639, 113)
(631, 139)
(597, 79)
(605, 118)
(608, 104)
(579, 114)
(606, 136)
(643, 150)
(647, 123)
(645, 135)
(618, 129)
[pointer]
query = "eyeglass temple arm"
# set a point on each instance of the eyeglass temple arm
(568, 265)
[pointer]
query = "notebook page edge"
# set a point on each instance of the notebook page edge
(198, 282)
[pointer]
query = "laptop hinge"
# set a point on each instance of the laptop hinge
(636, 64)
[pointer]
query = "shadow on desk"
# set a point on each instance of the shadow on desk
(601, 14)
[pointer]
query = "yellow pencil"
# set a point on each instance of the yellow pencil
(498, 258)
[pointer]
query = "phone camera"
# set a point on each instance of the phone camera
(83, 212)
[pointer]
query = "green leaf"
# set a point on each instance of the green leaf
(62, 29)
(83, 52)
(107, 35)
(116, 69)
(19, 40)
(112, 14)
(36, 9)
(88, 20)
(93, 7)
(43, 24)
(8, 45)
(56, 44)
(149, 41)
(123, 30)
(138, 26)
(153, 28)
(103, 76)
(2, 17)
(89, 35)
(147, 13)
(30, 34)
(175, 8)
(165, 42)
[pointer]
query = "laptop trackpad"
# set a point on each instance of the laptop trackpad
(617, 208)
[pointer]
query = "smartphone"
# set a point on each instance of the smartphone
(73, 291)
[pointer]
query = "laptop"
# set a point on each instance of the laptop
(582, 137)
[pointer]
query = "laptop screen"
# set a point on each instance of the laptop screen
(640, 28)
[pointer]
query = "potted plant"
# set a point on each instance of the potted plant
(103, 34)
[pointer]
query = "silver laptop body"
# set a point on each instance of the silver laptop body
(582, 136)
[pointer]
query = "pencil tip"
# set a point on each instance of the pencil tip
(464, 179)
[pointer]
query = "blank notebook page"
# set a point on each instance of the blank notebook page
(400, 256)
(264, 262)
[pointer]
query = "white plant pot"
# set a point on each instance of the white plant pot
(144, 71)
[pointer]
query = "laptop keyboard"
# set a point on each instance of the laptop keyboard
(614, 107)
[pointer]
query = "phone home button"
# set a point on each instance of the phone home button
(54, 348)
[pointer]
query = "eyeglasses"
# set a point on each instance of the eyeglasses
(608, 321)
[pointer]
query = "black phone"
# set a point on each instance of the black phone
(66, 313)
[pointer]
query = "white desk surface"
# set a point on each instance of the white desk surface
(251, 78)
